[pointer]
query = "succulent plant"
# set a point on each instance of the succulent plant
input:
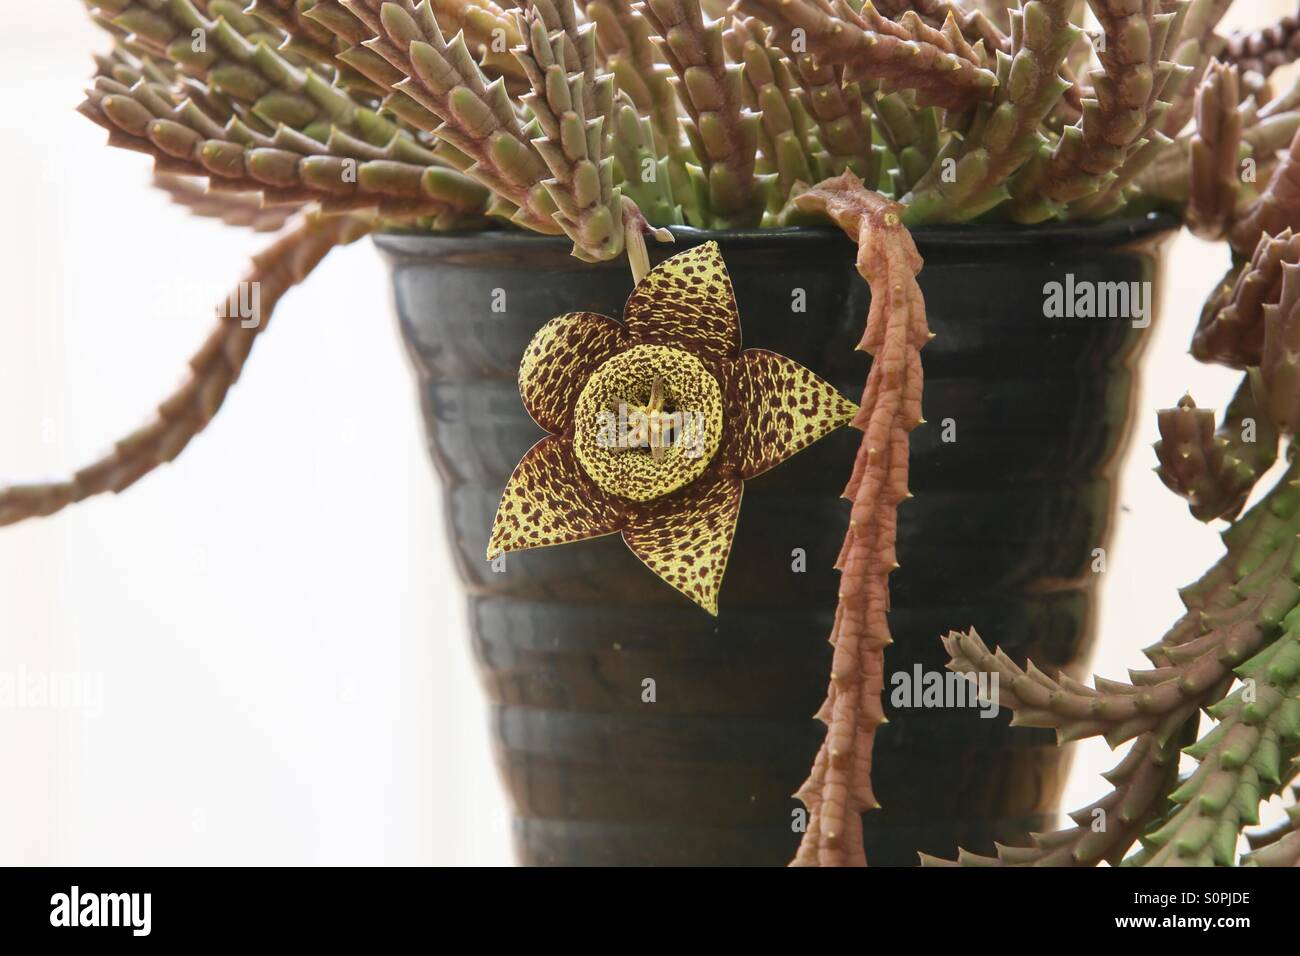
(1215, 470)
(609, 121)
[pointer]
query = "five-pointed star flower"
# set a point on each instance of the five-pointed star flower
(655, 423)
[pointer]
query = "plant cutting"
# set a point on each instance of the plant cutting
(792, 164)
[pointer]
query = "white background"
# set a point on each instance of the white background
(274, 618)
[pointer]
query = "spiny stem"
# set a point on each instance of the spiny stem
(839, 790)
(213, 370)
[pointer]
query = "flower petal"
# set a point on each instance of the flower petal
(549, 500)
(687, 301)
(686, 538)
(560, 359)
(777, 408)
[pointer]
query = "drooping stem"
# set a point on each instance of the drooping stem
(839, 789)
(213, 370)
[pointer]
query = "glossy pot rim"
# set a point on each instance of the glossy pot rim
(930, 239)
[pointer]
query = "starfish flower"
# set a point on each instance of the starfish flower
(654, 425)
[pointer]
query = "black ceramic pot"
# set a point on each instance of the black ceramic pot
(999, 536)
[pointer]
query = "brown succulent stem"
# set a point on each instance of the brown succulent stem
(344, 174)
(1004, 133)
(213, 370)
(903, 55)
(1140, 783)
(783, 147)
(1215, 470)
(490, 33)
(234, 61)
(623, 37)
(1231, 327)
(311, 40)
(1265, 49)
(1214, 149)
(1169, 176)
(975, 25)
(1276, 209)
(839, 789)
(836, 106)
(1279, 845)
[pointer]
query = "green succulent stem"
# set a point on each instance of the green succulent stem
(1241, 761)
(642, 174)
(1244, 606)
(722, 132)
(971, 175)
(573, 106)
(624, 38)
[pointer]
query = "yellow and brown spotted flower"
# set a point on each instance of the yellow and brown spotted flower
(655, 423)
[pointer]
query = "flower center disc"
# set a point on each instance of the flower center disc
(647, 422)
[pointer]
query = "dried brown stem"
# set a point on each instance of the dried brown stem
(839, 789)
